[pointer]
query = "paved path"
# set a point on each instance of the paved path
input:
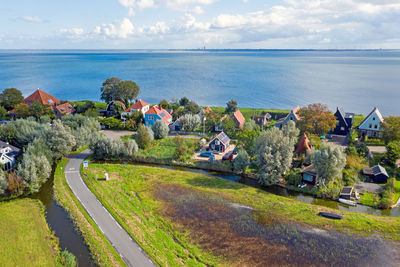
(127, 248)
(377, 149)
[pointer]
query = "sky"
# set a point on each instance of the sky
(192, 24)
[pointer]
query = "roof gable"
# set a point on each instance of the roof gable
(42, 97)
(162, 113)
(238, 116)
(139, 104)
(304, 145)
(222, 137)
(375, 113)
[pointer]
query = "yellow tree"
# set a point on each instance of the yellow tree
(316, 119)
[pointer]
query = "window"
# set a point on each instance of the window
(342, 128)
(151, 117)
(370, 125)
(376, 126)
(49, 101)
(373, 118)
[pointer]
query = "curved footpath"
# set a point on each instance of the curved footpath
(127, 248)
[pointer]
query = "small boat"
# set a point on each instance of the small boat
(330, 215)
(347, 202)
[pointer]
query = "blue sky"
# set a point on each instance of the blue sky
(186, 24)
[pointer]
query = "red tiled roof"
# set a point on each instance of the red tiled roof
(238, 116)
(304, 145)
(139, 104)
(207, 110)
(65, 108)
(159, 111)
(42, 97)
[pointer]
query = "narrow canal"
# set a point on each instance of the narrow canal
(277, 190)
(59, 221)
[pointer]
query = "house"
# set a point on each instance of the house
(262, 119)
(46, 99)
(238, 118)
(292, 116)
(139, 106)
(309, 175)
(175, 126)
(345, 122)
(8, 155)
(303, 146)
(371, 126)
(109, 111)
(156, 113)
(220, 143)
(348, 192)
(377, 174)
(63, 109)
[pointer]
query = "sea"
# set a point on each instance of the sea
(355, 80)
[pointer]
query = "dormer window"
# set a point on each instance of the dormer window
(373, 118)
(49, 101)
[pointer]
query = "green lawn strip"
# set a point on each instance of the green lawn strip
(135, 209)
(397, 191)
(165, 148)
(357, 120)
(248, 113)
(101, 249)
(26, 239)
(139, 215)
(369, 199)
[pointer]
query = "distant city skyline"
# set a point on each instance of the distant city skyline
(193, 24)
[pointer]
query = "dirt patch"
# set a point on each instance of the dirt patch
(247, 237)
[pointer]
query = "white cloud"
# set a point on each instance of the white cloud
(73, 31)
(121, 29)
(33, 19)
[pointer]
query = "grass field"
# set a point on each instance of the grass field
(129, 195)
(102, 251)
(250, 112)
(26, 239)
(369, 199)
(165, 148)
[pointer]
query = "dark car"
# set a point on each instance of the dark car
(206, 154)
(228, 156)
(235, 151)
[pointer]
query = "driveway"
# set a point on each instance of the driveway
(126, 247)
(377, 149)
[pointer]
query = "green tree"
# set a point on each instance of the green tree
(15, 183)
(191, 108)
(329, 162)
(251, 125)
(160, 129)
(37, 110)
(229, 126)
(291, 131)
(231, 106)
(109, 88)
(60, 140)
(241, 162)
(316, 119)
(143, 138)
(10, 97)
(181, 149)
(274, 155)
(246, 139)
(391, 129)
(3, 113)
(126, 91)
(184, 101)
(213, 119)
(22, 110)
(164, 104)
(393, 152)
(111, 123)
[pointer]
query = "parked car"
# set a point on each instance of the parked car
(235, 151)
(228, 156)
(206, 154)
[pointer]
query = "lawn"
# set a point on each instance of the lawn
(26, 239)
(357, 120)
(130, 197)
(250, 112)
(101, 250)
(369, 199)
(165, 148)
(397, 191)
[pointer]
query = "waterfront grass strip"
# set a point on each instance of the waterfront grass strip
(26, 239)
(101, 249)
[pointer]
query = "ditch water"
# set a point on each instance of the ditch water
(59, 221)
(253, 238)
(277, 190)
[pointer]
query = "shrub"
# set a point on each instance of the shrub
(393, 152)
(143, 137)
(241, 162)
(190, 122)
(3, 182)
(160, 129)
(67, 259)
(15, 183)
(181, 149)
(293, 177)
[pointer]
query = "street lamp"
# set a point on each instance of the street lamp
(204, 126)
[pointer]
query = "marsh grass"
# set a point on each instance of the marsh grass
(134, 196)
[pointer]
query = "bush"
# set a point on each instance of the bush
(387, 195)
(67, 259)
(3, 182)
(108, 148)
(181, 149)
(393, 152)
(293, 177)
(160, 129)
(144, 136)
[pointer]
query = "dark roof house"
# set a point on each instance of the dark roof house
(220, 143)
(309, 175)
(345, 122)
(377, 174)
(262, 119)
